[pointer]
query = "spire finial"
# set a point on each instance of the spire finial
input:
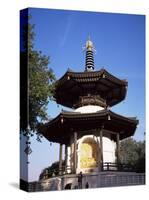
(89, 44)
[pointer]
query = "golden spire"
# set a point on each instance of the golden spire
(89, 44)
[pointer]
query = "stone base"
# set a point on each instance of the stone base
(94, 180)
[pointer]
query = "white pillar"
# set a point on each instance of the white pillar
(75, 153)
(101, 148)
(68, 159)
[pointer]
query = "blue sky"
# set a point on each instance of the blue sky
(119, 40)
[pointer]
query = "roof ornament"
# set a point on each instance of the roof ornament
(103, 75)
(62, 120)
(109, 118)
(89, 48)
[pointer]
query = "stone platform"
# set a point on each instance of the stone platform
(93, 180)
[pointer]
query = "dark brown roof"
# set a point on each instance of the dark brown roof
(60, 128)
(74, 85)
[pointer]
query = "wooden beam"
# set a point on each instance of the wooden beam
(118, 147)
(66, 158)
(60, 159)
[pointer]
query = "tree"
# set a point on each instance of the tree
(133, 153)
(49, 171)
(39, 79)
(140, 165)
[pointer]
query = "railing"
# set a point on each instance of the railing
(57, 172)
(108, 166)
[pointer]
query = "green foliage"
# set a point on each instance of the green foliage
(133, 153)
(49, 171)
(40, 87)
(40, 80)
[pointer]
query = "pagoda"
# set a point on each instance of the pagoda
(91, 132)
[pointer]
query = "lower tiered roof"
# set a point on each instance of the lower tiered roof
(61, 128)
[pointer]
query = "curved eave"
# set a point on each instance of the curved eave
(90, 76)
(68, 99)
(73, 84)
(61, 128)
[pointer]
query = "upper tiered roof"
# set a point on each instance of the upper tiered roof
(75, 89)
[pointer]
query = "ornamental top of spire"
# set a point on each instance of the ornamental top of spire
(89, 44)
